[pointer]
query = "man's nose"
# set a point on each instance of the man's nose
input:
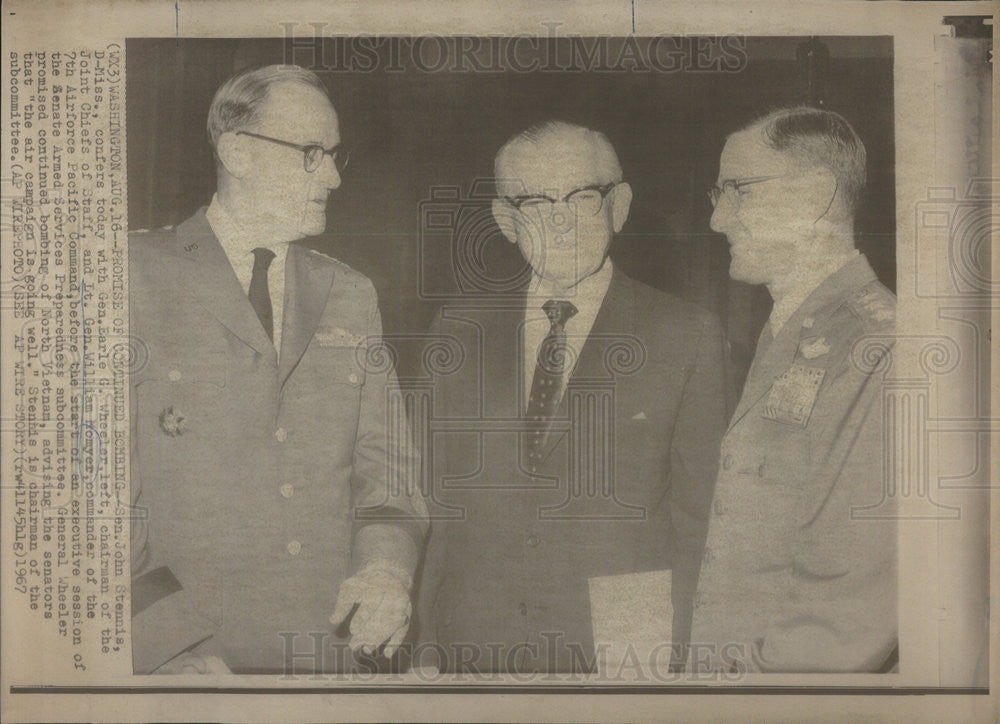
(561, 217)
(720, 216)
(327, 173)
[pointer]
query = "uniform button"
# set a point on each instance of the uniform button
(287, 490)
(281, 434)
(522, 608)
(533, 541)
(293, 547)
(718, 507)
(352, 378)
(727, 462)
(174, 375)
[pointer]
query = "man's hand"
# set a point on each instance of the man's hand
(191, 663)
(382, 591)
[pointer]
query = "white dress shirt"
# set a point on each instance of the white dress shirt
(805, 284)
(238, 242)
(587, 297)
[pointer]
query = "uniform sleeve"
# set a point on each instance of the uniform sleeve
(164, 621)
(694, 454)
(839, 613)
(386, 498)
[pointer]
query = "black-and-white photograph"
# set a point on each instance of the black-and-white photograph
(406, 360)
(488, 355)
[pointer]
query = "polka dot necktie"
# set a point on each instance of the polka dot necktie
(550, 365)
(260, 295)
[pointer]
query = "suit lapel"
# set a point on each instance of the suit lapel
(503, 360)
(205, 271)
(308, 278)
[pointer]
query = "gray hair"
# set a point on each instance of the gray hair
(820, 137)
(603, 150)
(237, 103)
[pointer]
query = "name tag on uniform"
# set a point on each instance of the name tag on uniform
(793, 395)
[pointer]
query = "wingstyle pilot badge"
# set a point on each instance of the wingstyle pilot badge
(339, 337)
(793, 395)
(814, 348)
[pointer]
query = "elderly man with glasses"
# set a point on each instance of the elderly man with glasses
(270, 497)
(799, 572)
(591, 410)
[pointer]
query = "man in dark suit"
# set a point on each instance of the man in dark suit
(273, 494)
(591, 410)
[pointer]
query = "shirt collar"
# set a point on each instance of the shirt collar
(807, 283)
(586, 296)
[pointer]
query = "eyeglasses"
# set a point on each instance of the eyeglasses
(586, 200)
(312, 154)
(731, 188)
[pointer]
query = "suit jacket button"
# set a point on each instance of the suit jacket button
(287, 490)
(533, 541)
(727, 462)
(281, 434)
(293, 547)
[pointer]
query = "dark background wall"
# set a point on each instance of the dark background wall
(420, 122)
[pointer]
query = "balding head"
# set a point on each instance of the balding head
(525, 156)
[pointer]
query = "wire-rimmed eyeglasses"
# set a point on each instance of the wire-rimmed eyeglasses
(731, 188)
(312, 154)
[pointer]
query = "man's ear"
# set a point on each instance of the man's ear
(503, 214)
(621, 202)
(233, 154)
(826, 189)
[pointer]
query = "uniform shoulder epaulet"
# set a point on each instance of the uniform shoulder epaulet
(874, 305)
(168, 227)
(334, 260)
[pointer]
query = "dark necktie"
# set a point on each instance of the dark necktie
(550, 365)
(260, 295)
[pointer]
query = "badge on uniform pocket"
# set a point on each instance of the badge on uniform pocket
(793, 395)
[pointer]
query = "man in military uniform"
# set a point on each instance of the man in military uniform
(270, 498)
(797, 575)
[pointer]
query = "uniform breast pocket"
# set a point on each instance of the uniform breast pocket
(327, 386)
(343, 369)
(181, 405)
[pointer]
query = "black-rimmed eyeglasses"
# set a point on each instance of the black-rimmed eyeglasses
(731, 188)
(586, 200)
(312, 154)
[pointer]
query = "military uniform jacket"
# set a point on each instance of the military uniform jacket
(250, 471)
(799, 570)
(623, 486)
